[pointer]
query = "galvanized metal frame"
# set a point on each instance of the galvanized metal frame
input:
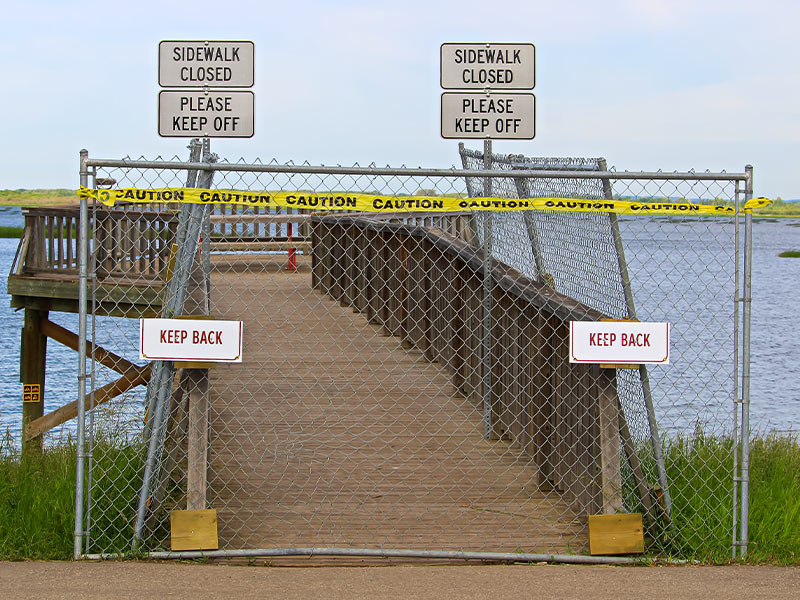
(741, 457)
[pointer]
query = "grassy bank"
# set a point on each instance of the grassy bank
(53, 197)
(779, 209)
(37, 495)
(699, 473)
(37, 500)
(10, 232)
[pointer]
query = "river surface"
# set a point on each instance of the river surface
(694, 391)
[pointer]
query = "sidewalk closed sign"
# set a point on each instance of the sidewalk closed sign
(618, 342)
(190, 340)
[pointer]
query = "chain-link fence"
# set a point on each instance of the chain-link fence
(399, 389)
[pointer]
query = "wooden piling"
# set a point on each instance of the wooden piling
(32, 365)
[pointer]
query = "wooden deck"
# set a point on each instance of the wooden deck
(332, 434)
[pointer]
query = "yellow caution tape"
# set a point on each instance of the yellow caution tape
(391, 204)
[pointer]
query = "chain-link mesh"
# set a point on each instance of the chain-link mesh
(371, 410)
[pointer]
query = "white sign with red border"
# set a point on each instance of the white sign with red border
(618, 342)
(190, 340)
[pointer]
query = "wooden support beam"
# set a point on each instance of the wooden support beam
(195, 383)
(131, 379)
(610, 469)
(70, 340)
(197, 461)
(32, 367)
(642, 489)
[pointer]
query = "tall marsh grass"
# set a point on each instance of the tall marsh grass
(37, 496)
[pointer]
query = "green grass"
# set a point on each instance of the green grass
(699, 472)
(37, 499)
(790, 254)
(10, 232)
(779, 208)
(36, 197)
(37, 505)
(37, 495)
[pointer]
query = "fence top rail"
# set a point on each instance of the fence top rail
(508, 279)
(415, 172)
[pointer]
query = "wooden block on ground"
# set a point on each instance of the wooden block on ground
(616, 534)
(194, 529)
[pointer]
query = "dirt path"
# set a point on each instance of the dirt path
(171, 580)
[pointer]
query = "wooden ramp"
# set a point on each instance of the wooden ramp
(332, 434)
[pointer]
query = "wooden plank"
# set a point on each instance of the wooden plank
(616, 534)
(393, 290)
(608, 422)
(360, 271)
(457, 351)
(514, 390)
(524, 381)
(507, 278)
(197, 438)
(195, 385)
(473, 289)
(193, 530)
(284, 468)
(542, 395)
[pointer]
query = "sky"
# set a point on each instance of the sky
(648, 84)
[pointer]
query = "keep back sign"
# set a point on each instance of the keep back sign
(618, 342)
(190, 340)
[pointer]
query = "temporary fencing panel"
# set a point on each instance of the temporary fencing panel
(405, 379)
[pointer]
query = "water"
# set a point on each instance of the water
(775, 393)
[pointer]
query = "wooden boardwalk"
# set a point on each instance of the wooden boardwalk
(332, 434)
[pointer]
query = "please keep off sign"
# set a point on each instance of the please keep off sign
(618, 342)
(190, 340)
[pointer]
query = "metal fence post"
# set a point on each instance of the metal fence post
(655, 438)
(487, 299)
(472, 220)
(478, 345)
(746, 308)
(160, 387)
(736, 356)
(523, 191)
(83, 260)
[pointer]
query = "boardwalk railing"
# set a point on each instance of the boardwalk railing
(134, 243)
(426, 288)
(126, 243)
(49, 242)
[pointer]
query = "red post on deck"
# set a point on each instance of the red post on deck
(292, 264)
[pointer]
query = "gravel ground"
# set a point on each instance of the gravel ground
(203, 581)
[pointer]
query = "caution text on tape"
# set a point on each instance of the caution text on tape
(391, 204)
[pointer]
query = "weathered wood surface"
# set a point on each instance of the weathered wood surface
(426, 288)
(331, 434)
